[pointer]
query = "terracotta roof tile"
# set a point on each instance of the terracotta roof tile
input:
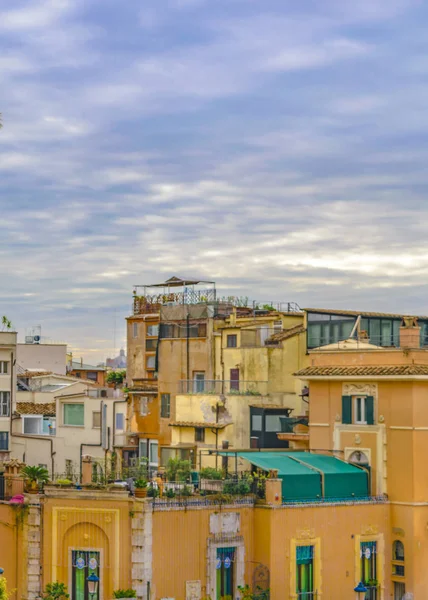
(202, 425)
(286, 334)
(363, 371)
(30, 408)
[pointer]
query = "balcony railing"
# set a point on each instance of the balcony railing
(227, 387)
(307, 595)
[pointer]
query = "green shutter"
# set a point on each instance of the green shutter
(370, 410)
(347, 410)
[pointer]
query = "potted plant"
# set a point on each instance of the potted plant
(125, 594)
(211, 479)
(34, 477)
(141, 488)
(56, 591)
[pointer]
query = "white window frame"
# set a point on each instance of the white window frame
(355, 400)
(4, 404)
(123, 422)
(152, 443)
(4, 367)
(32, 417)
(96, 412)
(64, 424)
(197, 380)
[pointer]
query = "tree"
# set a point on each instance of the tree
(116, 377)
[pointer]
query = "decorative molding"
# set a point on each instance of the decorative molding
(305, 534)
(360, 389)
(381, 419)
(370, 530)
(398, 532)
(357, 438)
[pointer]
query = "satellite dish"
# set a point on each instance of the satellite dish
(36, 339)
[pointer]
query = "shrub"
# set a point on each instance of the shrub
(63, 482)
(124, 593)
(230, 487)
(186, 491)
(244, 487)
(141, 484)
(210, 473)
(4, 594)
(170, 493)
(35, 474)
(178, 469)
(152, 492)
(56, 591)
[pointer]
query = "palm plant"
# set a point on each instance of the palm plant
(35, 476)
(7, 323)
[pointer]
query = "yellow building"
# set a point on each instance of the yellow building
(368, 406)
(192, 548)
(220, 371)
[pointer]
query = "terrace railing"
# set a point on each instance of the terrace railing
(227, 387)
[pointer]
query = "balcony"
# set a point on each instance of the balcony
(226, 387)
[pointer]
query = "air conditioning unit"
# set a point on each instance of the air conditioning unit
(29, 339)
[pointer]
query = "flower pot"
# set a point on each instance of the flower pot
(141, 492)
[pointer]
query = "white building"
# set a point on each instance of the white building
(60, 419)
(7, 387)
(43, 357)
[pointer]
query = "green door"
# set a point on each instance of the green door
(84, 563)
(225, 573)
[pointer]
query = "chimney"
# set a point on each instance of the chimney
(410, 333)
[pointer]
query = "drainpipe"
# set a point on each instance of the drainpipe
(93, 445)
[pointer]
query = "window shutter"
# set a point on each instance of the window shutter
(370, 410)
(347, 410)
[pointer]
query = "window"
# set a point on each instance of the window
(74, 415)
(143, 448)
(96, 420)
(165, 406)
(4, 367)
(256, 422)
(273, 423)
(277, 327)
(120, 421)
(4, 440)
(234, 380)
(368, 558)
(4, 404)
(43, 466)
(134, 330)
(199, 434)
(78, 374)
(199, 382)
(144, 410)
(153, 456)
(92, 375)
(232, 341)
(151, 345)
(305, 572)
(398, 558)
(358, 410)
(226, 558)
(32, 425)
(49, 426)
(151, 362)
(152, 330)
(399, 590)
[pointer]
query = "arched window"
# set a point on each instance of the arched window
(358, 458)
(398, 550)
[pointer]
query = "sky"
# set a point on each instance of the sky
(277, 147)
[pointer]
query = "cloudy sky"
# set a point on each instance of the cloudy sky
(278, 147)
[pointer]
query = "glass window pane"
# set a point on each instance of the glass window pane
(273, 423)
(153, 453)
(31, 425)
(96, 419)
(151, 362)
(256, 422)
(74, 414)
(152, 330)
(120, 421)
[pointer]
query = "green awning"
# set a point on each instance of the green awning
(307, 476)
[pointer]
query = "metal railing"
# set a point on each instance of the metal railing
(218, 386)
(297, 502)
(307, 595)
(384, 341)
